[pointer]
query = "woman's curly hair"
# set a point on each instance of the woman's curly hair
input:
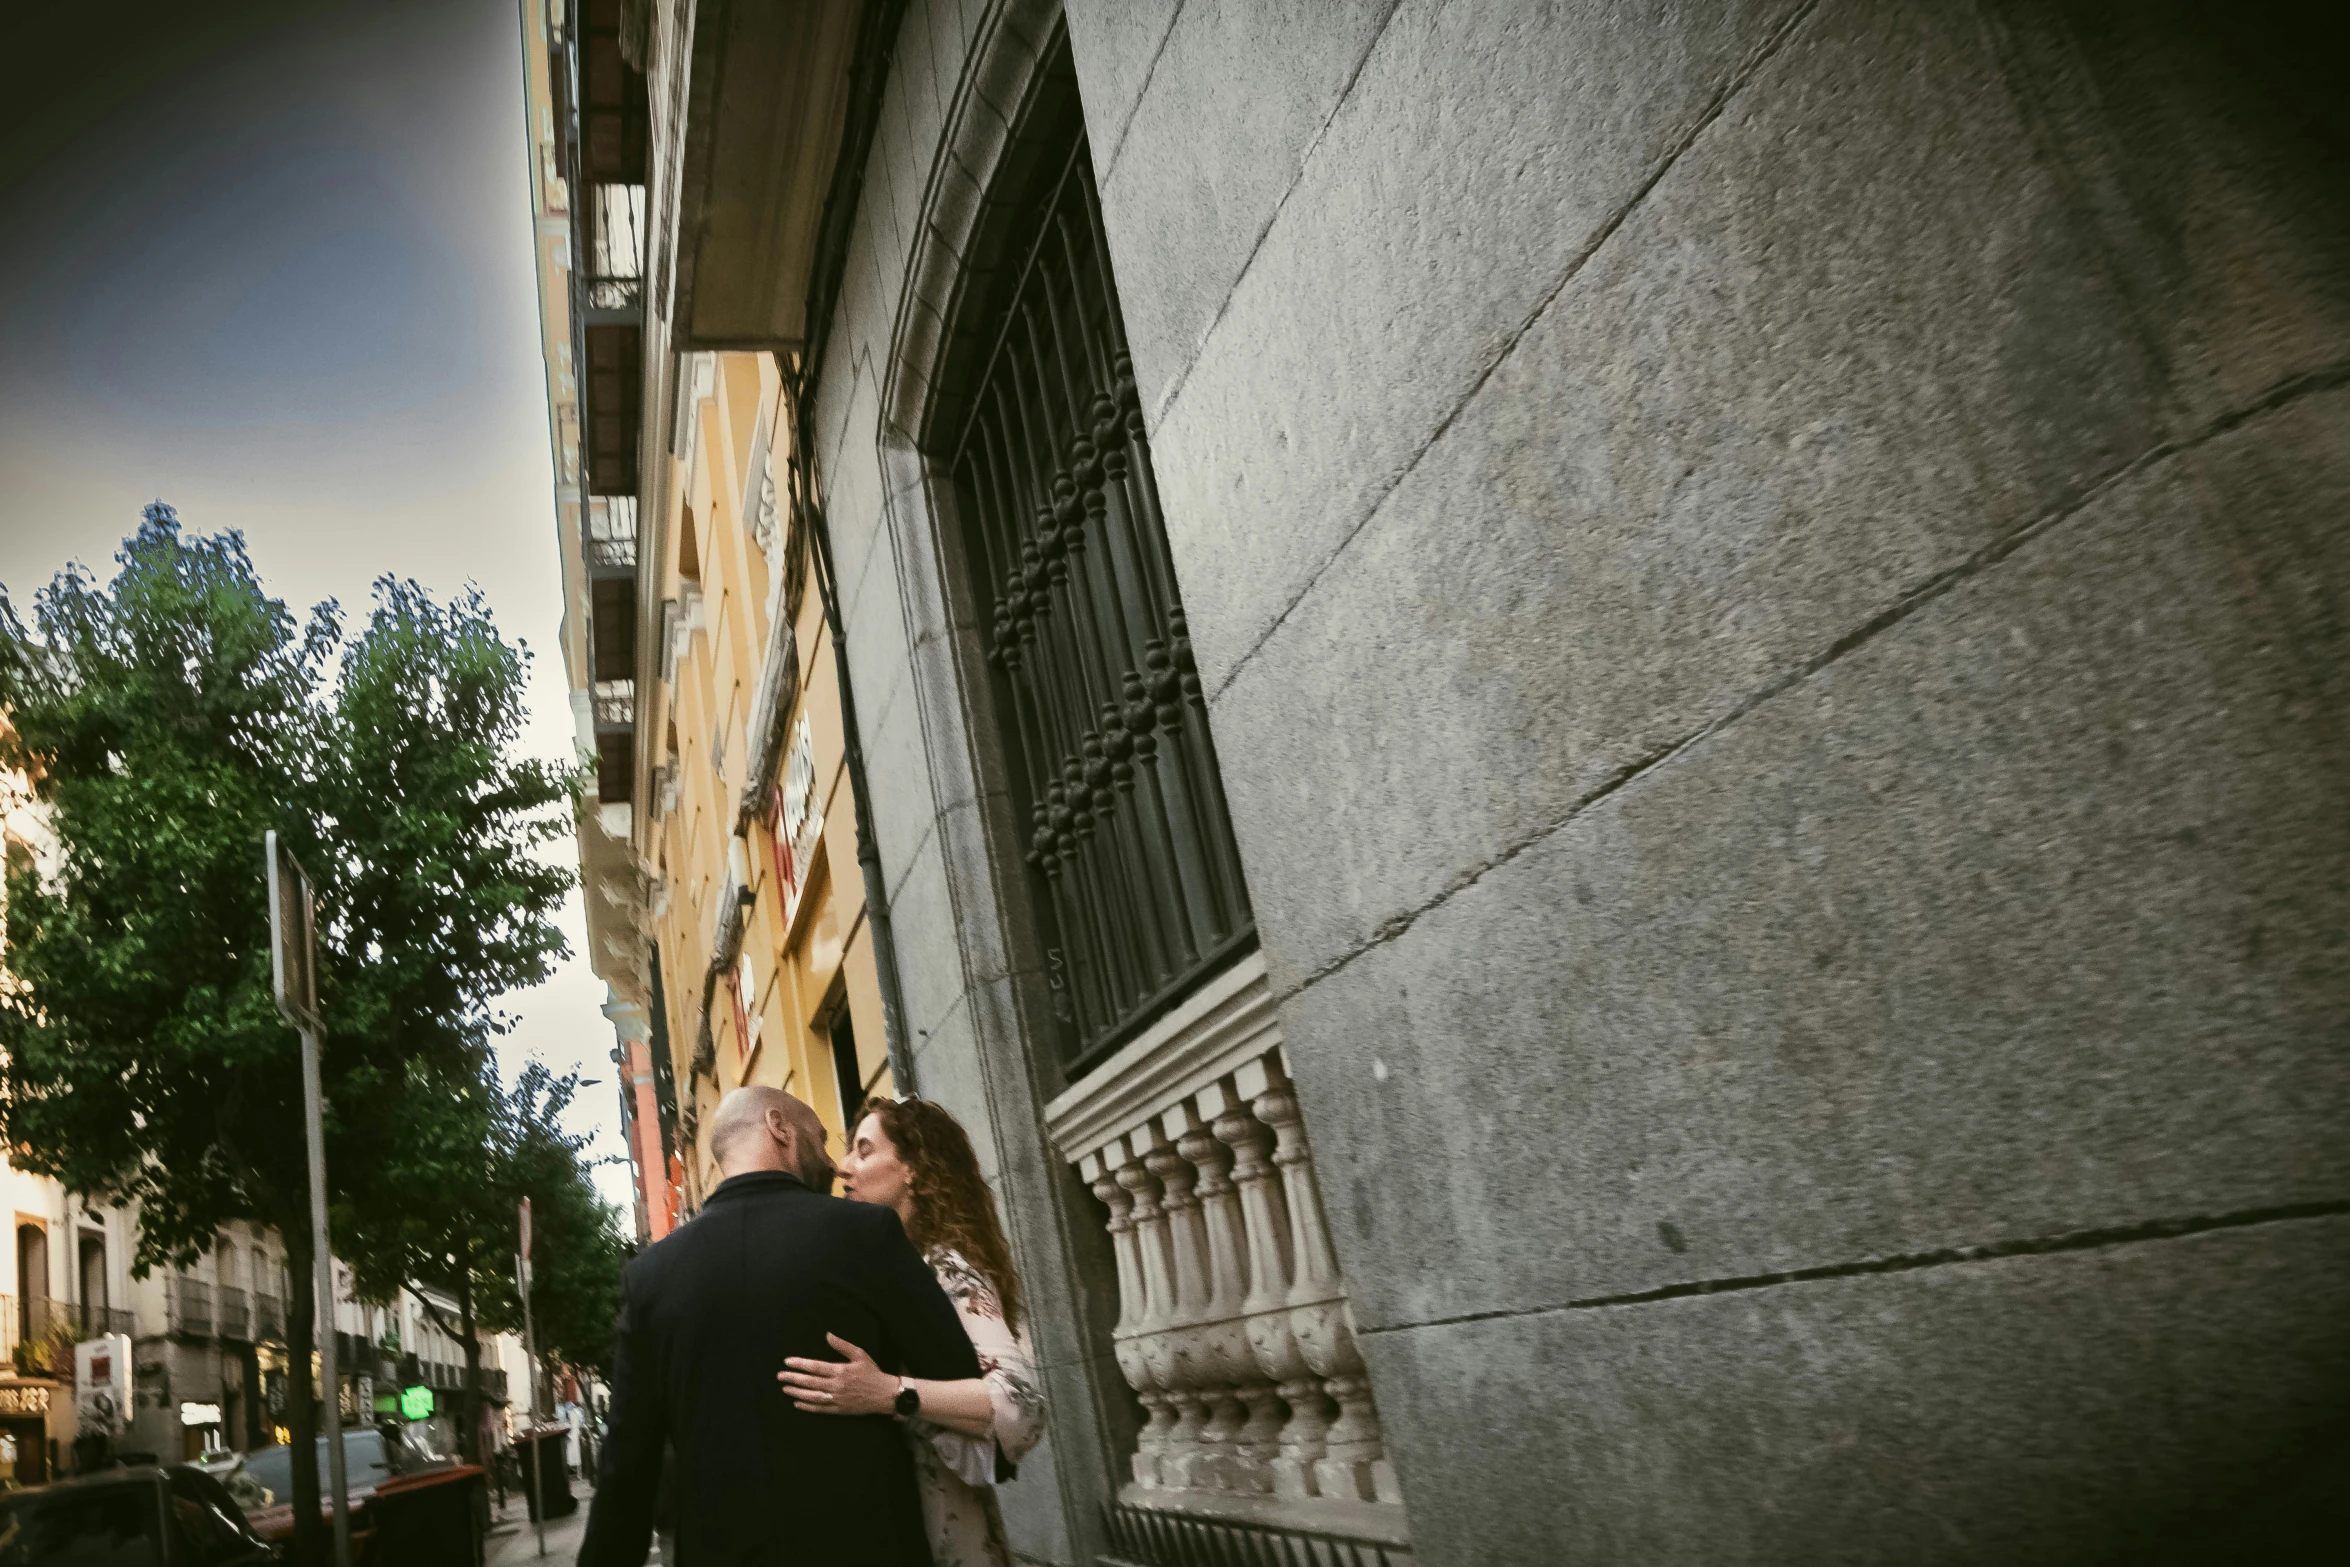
(953, 1207)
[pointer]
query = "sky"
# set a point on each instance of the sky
(271, 263)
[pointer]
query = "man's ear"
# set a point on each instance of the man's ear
(779, 1127)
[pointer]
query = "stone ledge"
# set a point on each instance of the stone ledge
(1226, 1023)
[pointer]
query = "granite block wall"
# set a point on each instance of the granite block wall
(1773, 581)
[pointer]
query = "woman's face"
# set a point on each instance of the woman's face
(873, 1172)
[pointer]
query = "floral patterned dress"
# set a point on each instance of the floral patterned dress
(957, 1473)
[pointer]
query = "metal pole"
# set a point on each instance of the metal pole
(314, 1132)
(530, 1355)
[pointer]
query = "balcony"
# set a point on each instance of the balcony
(609, 542)
(612, 290)
(1234, 1327)
(235, 1320)
(269, 1319)
(37, 1333)
(608, 297)
(190, 1302)
(615, 707)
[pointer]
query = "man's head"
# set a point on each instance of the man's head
(767, 1129)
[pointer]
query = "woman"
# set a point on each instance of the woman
(912, 1156)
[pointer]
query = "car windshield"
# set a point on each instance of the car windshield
(268, 1475)
(94, 1526)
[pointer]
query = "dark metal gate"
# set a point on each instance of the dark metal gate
(1103, 720)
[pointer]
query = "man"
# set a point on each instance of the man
(768, 1268)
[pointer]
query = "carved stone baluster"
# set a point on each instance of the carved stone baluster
(1155, 1324)
(1187, 1233)
(1219, 1208)
(1265, 1213)
(1211, 1437)
(1249, 1243)
(1220, 1344)
(1318, 1308)
(1100, 1175)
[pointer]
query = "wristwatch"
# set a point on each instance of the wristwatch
(909, 1402)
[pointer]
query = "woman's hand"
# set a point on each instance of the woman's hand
(830, 1387)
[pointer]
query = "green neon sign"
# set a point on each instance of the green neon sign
(416, 1403)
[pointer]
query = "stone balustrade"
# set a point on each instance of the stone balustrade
(1233, 1327)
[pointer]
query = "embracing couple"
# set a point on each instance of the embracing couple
(830, 1382)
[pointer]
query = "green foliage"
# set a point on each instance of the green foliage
(467, 1155)
(168, 721)
(437, 904)
(576, 1247)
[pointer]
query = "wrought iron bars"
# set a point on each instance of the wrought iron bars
(1147, 1537)
(1097, 693)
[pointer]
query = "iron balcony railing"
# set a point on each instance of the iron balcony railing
(1098, 704)
(609, 540)
(615, 704)
(38, 1332)
(269, 1319)
(191, 1307)
(234, 1319)
(614, 280)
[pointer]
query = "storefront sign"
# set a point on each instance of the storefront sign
(24, 1398)
(416, 1403)
(199, 1414)
(102, 1382)
(796, 824)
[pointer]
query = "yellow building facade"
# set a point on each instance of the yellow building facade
(724, 904)
(749, 838)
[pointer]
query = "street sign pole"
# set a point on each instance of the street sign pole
(293, 944)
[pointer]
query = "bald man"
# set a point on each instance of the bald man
(770, 1265)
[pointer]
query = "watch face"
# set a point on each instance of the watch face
(908, 1401)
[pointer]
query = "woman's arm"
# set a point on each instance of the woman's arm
(857, 1386)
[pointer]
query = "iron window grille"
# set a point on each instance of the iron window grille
(1136, 876)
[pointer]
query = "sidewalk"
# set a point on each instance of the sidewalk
(513, 1541)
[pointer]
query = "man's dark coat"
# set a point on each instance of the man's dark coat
(764, 1271)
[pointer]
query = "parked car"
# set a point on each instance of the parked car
(265, 1478)
(142, 1517)
(407, 1503)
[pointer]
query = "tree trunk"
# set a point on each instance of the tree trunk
(469, 1402)
(310, 1531)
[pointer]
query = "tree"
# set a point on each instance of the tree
(440, 903)
(577, 1251)
(169, 720)
(467, 1169)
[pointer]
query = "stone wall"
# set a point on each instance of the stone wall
(970, 984)
(1772, 582)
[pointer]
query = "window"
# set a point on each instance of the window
(746, 1009)
(1098, 708)
(847, 1075)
